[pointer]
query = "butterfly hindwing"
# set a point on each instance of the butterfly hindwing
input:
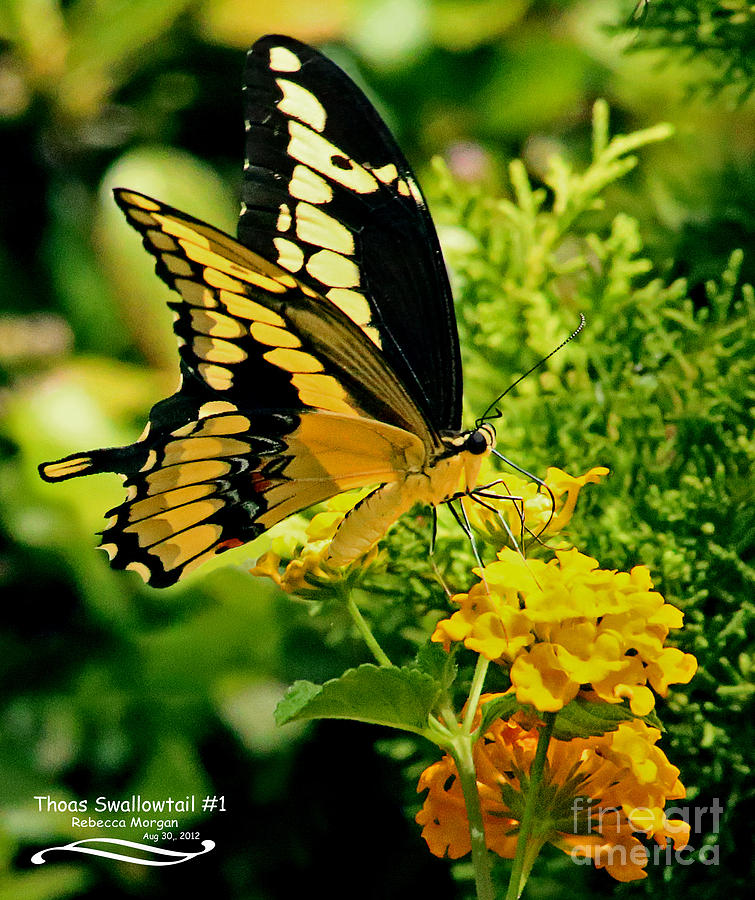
(225, 476)
(328, 195)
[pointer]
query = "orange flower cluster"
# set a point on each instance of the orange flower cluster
(597, 795)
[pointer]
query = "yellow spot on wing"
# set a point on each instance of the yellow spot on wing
(166, 479)
(214, 407)
(195, 293)
(332, 269)
(308, 185)
(284, 60)
(160, 240)
(272, 336)
(140, 570)
(290, 255)
(301, 103)
(183, 231)
(195, 448)
(159, 527)
(219, 279)
(151, 506)
(248, 309)
(293, 360)
(321, 392)
(308, 147)
(284, 218)
(142, 218)
(67, 467)
(176, 264)
(235, 424)
(317, 227)
(139, 200)
(151, 460)
(180, 548)
(386, 174)
(218, 377)
(216, 324)
(217, 351)
(353, 303)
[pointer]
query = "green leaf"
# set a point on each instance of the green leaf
(399, 697)
(503, 707)
(441, 666)
(587, 718)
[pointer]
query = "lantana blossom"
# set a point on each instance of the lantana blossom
(598, 796)
(562, 625)
(525, 507)
(297, 563)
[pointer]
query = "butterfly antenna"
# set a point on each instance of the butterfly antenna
(492, 412)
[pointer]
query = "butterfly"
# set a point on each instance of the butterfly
(318, 351)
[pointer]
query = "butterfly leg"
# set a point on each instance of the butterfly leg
(466, 527)
(433, 540)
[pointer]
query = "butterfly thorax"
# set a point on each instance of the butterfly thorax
(450, 474)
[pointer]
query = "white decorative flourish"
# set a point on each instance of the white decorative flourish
(85, 847)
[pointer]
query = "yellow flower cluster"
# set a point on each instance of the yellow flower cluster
(564, 624)
(597, 796)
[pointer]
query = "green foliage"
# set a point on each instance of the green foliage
(398, 697)
(660, 389)
(722, 32)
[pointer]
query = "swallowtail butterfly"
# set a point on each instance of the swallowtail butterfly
(318, 350)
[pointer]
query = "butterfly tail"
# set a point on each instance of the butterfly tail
(89, 462)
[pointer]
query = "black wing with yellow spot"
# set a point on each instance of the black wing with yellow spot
(328, 194)
(252, 332)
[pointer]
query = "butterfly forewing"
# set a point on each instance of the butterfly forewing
(329, 196)
(258, 337)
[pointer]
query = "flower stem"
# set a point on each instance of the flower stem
(528, 847)
(366, 632)
(462, 752)
(481, 670)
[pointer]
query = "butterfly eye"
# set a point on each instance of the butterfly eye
(477, 442)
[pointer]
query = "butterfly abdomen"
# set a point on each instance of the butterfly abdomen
(369, 520)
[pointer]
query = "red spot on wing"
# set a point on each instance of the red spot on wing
(229, 544)
(259, 483)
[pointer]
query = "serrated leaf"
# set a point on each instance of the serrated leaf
(588, 718)
(434, 661)
(399, 697)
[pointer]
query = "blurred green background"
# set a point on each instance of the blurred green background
(112, 688)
